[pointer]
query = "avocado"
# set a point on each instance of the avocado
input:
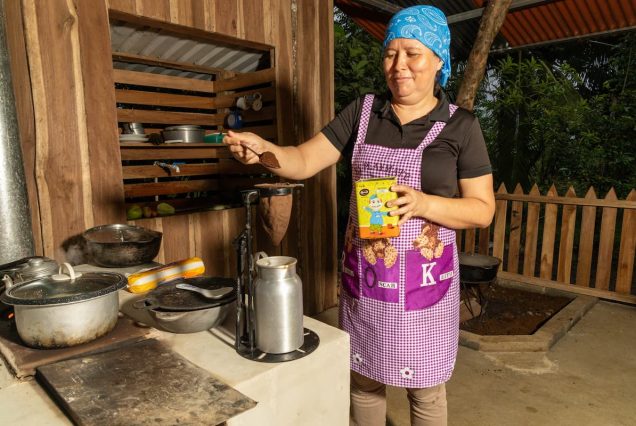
(134, 212)
(165, 209)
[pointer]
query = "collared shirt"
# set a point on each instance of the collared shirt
(459, 152)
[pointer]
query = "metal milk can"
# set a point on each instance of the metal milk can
(278, 304)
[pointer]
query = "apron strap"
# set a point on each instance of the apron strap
(437, 129)
(367, 103)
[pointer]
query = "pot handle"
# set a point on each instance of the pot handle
(147, 303)
(8, 282)
(61, 276)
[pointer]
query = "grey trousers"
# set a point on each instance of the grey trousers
(368, 403)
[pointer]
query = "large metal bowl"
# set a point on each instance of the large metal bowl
(182, 311)
(478, 268)
(120, 245)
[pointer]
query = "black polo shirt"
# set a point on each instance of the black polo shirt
(459, 151)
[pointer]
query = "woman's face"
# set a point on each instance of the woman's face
(410, 69)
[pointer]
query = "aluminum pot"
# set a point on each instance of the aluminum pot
(65, 310)
(185, 134)
(119, 245)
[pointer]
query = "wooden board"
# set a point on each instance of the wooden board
(586, 242)
(549, 234)
(24, 360)
(141, 384)
(566, 245)
(514, 240)
(532, 235)
(606, 245)
(627, 249)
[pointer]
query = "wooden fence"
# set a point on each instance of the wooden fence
(584, 245)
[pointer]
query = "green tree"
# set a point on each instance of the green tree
(569, 121)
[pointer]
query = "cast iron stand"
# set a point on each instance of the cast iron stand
(245, 341)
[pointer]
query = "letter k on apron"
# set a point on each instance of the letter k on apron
(400, 296)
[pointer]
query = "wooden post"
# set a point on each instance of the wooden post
(606, 244)
(514, 240)
(627, 249)
(566, 244)
(549, 234)
(586, 241)
(532, 235)
(491, 21)
(499, 237)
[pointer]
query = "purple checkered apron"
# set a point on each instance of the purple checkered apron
(403, 317)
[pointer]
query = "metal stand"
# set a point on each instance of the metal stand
(245, 341)
(473, 289)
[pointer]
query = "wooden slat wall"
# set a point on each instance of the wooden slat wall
(69, 137)
(604, 267)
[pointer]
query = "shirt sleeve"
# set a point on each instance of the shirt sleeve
(473, 158)
(342, 129)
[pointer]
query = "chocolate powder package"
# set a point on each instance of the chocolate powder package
(373, 214)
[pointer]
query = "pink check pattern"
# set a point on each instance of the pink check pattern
(413, 349)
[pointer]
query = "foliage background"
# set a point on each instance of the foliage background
(562, 114)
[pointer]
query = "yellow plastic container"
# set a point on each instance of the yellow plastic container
(143, 281)
(373, 214)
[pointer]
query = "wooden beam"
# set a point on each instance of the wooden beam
(185, 31)
(569, 201)
(386, 7)
(602, 294)
(149, 60)
(159, 80)
(476, 13)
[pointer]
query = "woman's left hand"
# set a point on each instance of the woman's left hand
(410, 203)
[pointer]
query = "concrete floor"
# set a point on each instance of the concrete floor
(587, 378)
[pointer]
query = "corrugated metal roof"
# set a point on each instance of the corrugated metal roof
(127, 38)
(553, 21)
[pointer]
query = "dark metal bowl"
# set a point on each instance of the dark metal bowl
(120, 245)
(478, 268)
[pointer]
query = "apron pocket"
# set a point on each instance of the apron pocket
(349, 276)
(380, 271)
(427, 281)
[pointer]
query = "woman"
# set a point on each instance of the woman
(404, 331)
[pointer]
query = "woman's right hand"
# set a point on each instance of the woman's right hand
(237, 142)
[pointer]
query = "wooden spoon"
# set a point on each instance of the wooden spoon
(267, 158)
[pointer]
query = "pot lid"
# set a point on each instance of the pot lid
(30, 267)
(52, 290)
(167, 297)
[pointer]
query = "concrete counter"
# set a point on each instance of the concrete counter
(313, 390)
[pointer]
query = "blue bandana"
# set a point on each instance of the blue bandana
(427, 24)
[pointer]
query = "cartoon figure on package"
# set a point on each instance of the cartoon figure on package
(373, 214)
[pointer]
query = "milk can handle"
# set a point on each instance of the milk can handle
(259, 255)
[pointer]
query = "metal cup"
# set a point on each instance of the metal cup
(132, 128)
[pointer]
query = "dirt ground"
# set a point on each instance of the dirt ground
(508, 311)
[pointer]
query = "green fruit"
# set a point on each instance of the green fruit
(134, 212)
(165, 209)
(147, 211)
